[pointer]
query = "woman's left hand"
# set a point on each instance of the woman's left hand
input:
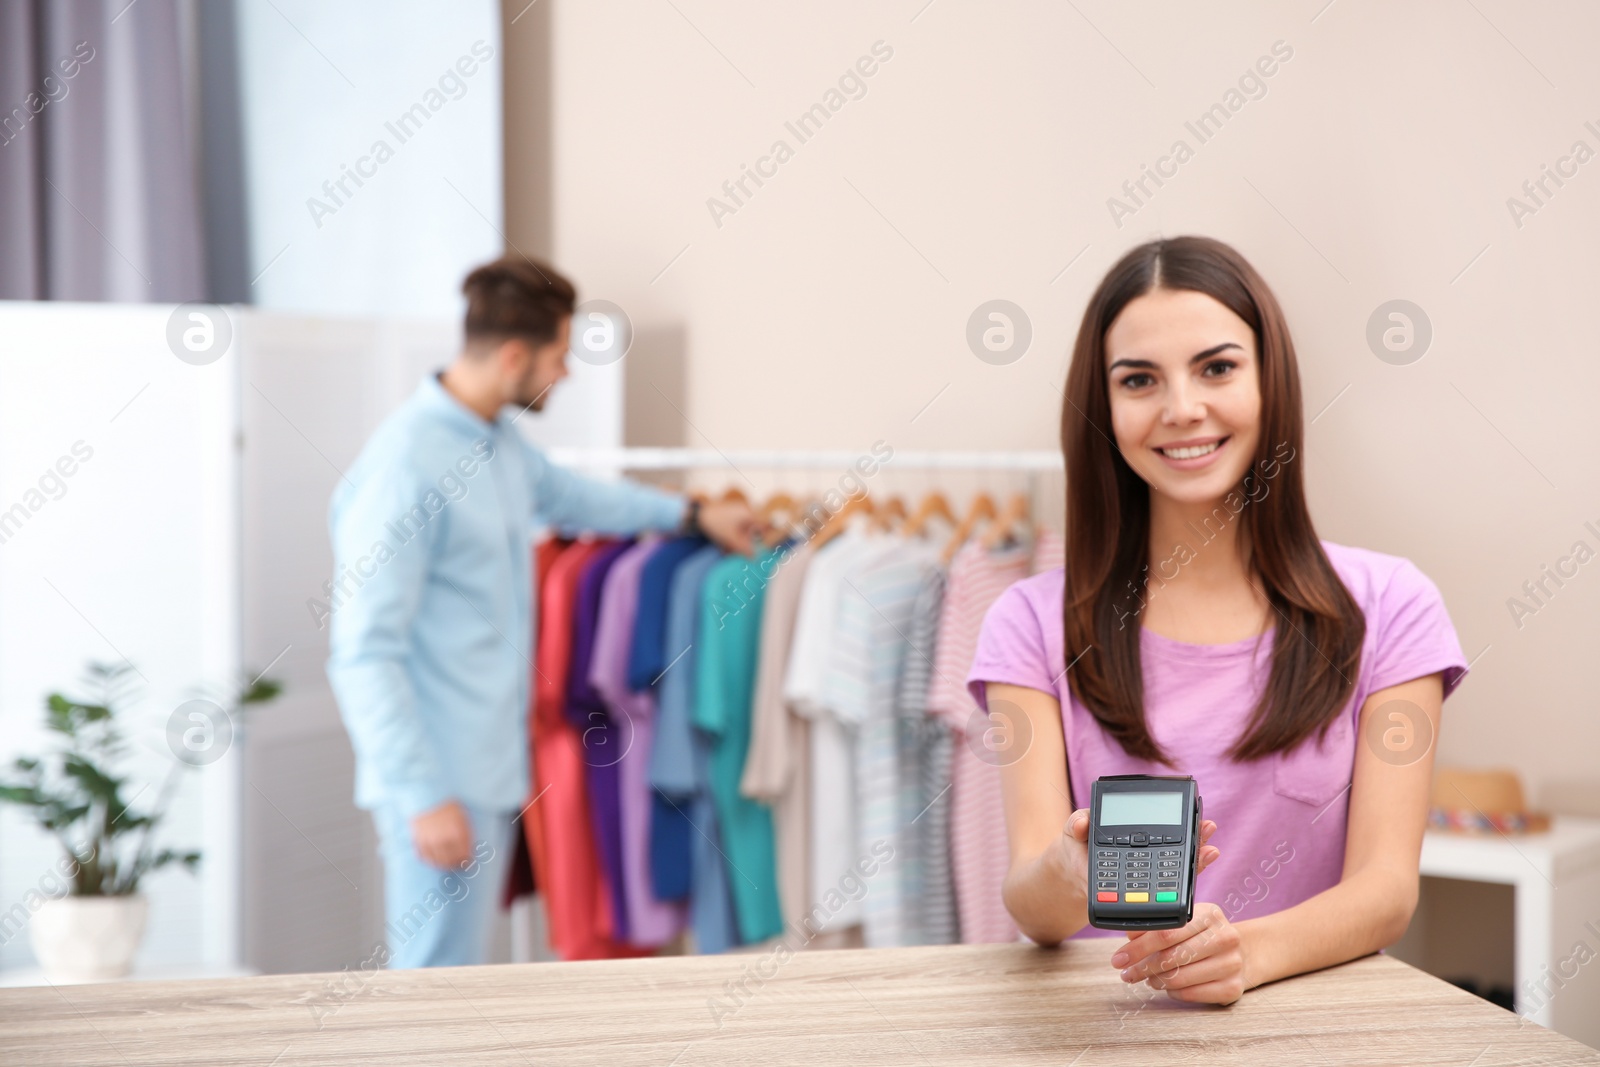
(1202, 962)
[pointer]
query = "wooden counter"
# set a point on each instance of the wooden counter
(999, 1004)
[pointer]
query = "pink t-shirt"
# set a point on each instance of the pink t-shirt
(1281, 820)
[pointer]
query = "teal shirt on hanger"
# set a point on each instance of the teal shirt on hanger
(730, 635)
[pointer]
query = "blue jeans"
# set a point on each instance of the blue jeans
(437, 917)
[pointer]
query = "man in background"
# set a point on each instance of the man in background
(431, 628)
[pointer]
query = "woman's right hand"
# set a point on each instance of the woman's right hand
(1074, 851)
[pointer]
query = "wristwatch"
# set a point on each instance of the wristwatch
(691, 518)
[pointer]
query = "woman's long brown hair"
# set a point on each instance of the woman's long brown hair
(1319, 626)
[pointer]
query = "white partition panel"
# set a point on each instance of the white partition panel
(312, 391)
(129, 557)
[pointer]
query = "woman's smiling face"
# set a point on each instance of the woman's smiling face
(1185, 393)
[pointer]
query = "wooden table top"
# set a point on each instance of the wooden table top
(977, 1004)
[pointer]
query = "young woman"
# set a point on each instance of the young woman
(1200, 627)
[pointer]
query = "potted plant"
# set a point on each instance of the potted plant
(76, 794)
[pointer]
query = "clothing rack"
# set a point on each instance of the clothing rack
(878, 735)
(1042, 469)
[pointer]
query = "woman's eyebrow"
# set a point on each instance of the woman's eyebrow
(1145, 364)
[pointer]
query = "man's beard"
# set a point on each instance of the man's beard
(528, 399)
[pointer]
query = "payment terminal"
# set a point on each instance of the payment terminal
(1144, 839)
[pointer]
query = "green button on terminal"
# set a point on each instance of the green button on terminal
(1167, 897)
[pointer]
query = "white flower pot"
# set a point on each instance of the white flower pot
(88, 939)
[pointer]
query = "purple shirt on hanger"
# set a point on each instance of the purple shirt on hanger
(587, 712)
(651, 922)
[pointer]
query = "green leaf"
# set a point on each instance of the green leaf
(58, 816)
(94, 712)
(21, 794)
(260, 691)
(58, 714)
(94, 781)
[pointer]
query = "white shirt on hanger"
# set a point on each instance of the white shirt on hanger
(870, 648)
(833, 789)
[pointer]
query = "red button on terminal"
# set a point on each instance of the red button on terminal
(1105, 898)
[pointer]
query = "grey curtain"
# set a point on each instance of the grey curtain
(103, 114)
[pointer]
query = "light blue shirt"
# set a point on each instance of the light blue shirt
(431, 615)
(680, 766)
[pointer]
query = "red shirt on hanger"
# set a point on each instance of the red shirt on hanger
(558, 824)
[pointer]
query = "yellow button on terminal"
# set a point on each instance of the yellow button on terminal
(1136, 898)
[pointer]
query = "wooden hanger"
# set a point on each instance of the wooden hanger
(1011, 523)
(982, 508)
(779, 501)
(776, 517)
(933, 505)
(835, 525)
(891, 516)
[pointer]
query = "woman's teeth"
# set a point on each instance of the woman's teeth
(1191, 452)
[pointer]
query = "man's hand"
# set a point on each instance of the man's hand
(731, 524)
(443, 836)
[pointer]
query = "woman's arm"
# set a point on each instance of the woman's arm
(1371, 906)
(1046, 887)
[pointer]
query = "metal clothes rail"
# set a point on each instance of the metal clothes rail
(808, 459)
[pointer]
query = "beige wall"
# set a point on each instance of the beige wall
(830, 309)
